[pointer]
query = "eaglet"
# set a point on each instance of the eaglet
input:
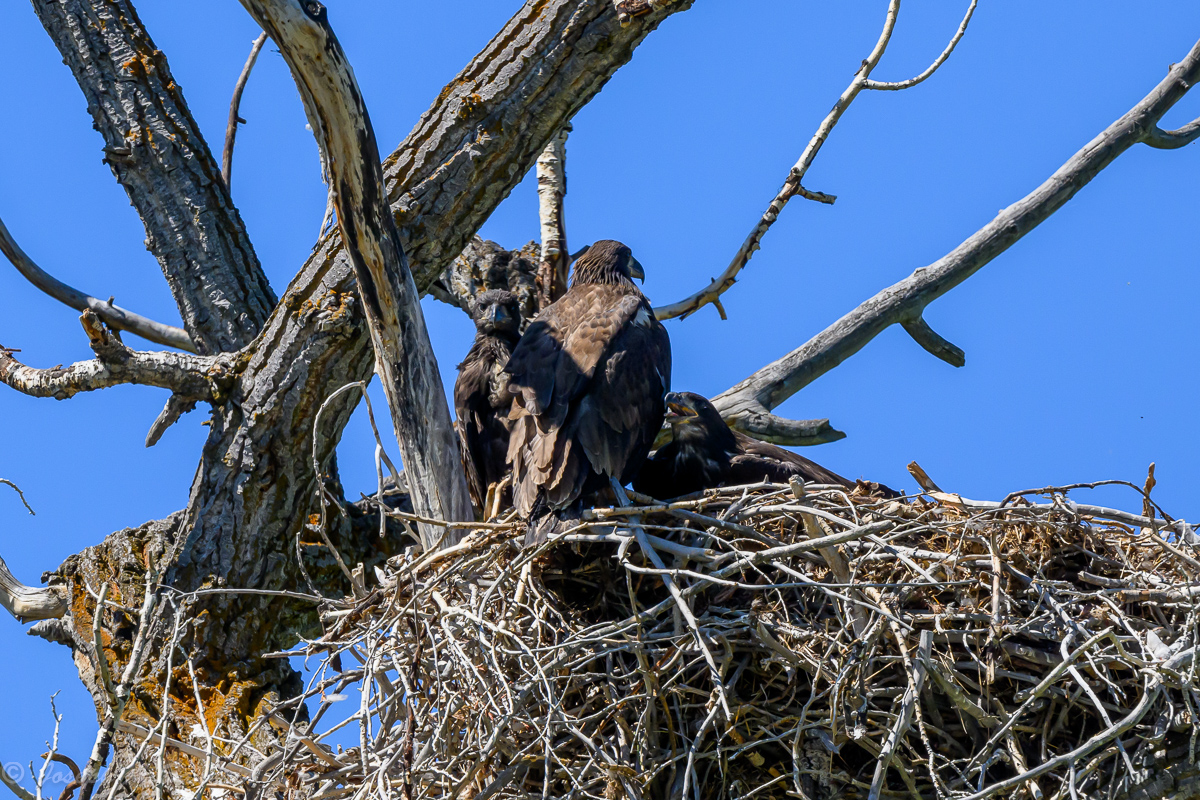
(481, 397)
(705, 453)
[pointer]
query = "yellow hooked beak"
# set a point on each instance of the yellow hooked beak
(679, 413)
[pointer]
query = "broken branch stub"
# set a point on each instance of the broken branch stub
(29, 602)
(404, 356)
(904, 303)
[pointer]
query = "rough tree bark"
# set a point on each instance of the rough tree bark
(156, 152)
(249, 517)
(404, 356)
(255, 486)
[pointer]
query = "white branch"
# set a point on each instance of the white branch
(408, 369)
(793, 186)
(552, 188)
(191, 376)
(892, 86)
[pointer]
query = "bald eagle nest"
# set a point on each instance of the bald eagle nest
(777, 641)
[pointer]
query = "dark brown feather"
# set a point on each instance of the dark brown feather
(481, 397)
(588, 379)
(705, 453)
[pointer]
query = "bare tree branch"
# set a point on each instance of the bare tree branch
(892, 86)
(231, 127)
(255, 485)
(403, 354)
(1169, 140)
(904, 302)
(29, 602)
(114, 315)
(552, 188)
(157, 153)
(191, 376)
(792, 187)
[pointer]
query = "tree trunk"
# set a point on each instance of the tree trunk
(255, 486)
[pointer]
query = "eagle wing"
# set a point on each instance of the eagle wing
(757, 460)
(588, 378)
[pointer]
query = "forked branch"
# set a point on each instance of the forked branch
(793, 186)
(403, 355)
(904, 303)
(114, 315)
(189, 376)
(1157, 138)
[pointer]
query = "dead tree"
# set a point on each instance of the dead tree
(243, 570)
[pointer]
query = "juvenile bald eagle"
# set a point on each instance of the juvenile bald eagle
(588, 379)
(705, 452)
(481, 397)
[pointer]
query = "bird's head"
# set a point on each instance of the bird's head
(691, 416)
(607, 261)
(497, 312)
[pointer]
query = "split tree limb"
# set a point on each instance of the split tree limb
(114, 315)
(190, 376)
(157, 153)
(404, 356)
(904, 303)
(552, 188)
(231, 127)
(793, 187)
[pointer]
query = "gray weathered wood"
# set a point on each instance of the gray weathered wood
(29, 602)
(404, 355)
(114, 315)
(904, 303)
(255, 486)
(156, 152)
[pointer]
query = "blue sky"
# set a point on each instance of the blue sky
(1082, 358)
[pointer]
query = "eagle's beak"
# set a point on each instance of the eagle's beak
(679, 412)
(498, 314)
(635, 270)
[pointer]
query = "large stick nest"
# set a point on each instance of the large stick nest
(817, 644)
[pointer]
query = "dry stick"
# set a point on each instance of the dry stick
(794, 184)
(114, 315)
(833, 558)
(748, 404)
(115, 698)
(656, 559)
(1151, 693)
(52, 753)
(231, 127)
(552, 189)
(915, 672)
(403, 355)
